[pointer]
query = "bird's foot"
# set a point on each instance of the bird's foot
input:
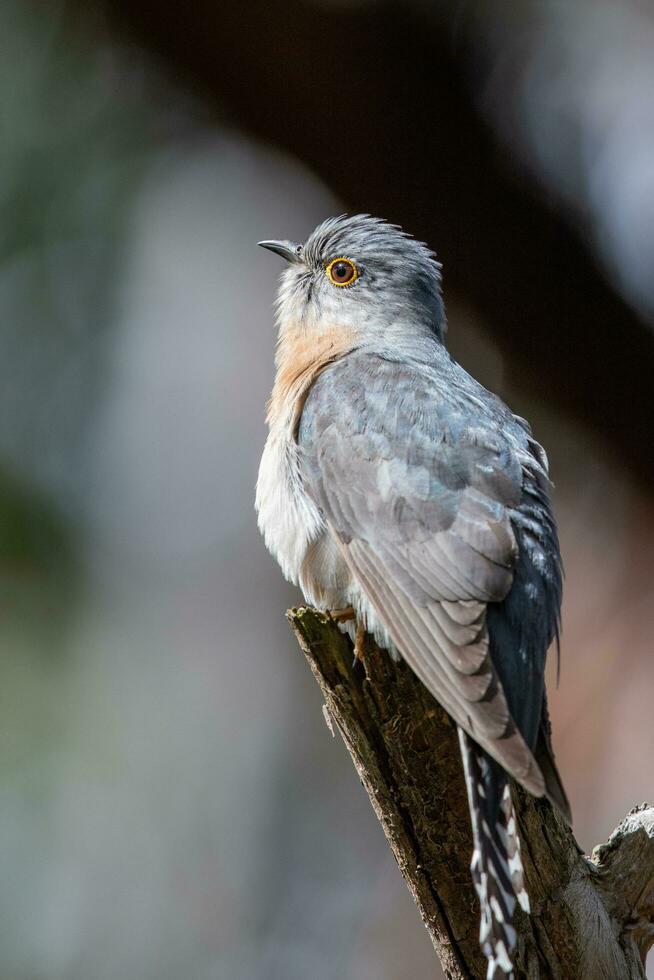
(344, 615)
(359, 644)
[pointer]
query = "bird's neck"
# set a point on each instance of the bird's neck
(301, 356)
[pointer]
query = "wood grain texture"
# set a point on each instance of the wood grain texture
(592, 918)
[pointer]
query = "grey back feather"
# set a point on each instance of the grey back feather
(419, 472)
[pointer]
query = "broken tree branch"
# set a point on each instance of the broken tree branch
(592, 918)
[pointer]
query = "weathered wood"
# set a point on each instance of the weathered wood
(592, 918)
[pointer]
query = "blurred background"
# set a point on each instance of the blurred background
(171, 803)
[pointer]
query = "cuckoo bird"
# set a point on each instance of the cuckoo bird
(394, 489)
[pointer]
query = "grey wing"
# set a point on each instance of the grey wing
(415, 477)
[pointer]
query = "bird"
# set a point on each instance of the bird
(409, 501)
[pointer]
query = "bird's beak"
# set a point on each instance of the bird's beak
(288, 250)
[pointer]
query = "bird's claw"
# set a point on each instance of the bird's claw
(345, 615)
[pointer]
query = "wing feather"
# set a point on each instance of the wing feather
(419, 505)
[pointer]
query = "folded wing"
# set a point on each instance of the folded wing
(416, 475)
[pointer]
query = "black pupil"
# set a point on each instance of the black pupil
(342, 271)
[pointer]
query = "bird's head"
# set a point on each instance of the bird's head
(363, 274)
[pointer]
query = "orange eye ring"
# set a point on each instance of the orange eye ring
(342, 272)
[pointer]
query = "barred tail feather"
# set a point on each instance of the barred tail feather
(512, 843)
(496, 865)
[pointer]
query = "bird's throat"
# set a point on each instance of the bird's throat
(301, 356)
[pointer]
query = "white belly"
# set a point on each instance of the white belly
(289, 521)
(296, 535)
(294, 530)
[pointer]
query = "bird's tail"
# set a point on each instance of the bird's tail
(496, 862)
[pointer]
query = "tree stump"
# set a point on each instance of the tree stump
(592, 917)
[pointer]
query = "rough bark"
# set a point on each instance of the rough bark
(592, 917)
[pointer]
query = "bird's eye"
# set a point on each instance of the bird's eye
(342, 272)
